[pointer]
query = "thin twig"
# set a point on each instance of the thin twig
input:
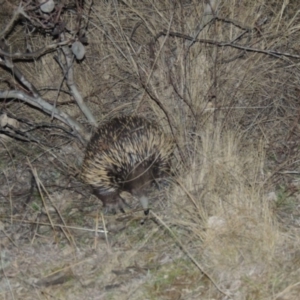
(57, 225)
(17, 73)
(180, 244)
(162, 107)
(36, 54)
(274, 53)
(19, 135)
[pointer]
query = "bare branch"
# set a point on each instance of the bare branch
(20, 135)
(226, 44)
(36, 54)
(26, 136)
(41, 104)
(163, 108)
(33, 126)
(18, 74)
(69, 74)
(235, 23)
(52, 24)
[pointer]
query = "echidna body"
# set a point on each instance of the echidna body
(126, 154)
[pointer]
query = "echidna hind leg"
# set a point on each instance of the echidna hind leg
(112, 202)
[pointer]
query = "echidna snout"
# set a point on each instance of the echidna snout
(145, 204)
(126, 154)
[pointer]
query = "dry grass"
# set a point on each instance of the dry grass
(228, 226)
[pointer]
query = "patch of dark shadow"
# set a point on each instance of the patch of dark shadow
(112, 286)
(54, 279)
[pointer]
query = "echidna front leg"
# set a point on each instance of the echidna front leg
(112, 202)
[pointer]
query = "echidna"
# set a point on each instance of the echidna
(126, 154)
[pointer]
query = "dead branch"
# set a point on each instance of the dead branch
(25, 136)
(40, 103)
(34, 126)
(20, 135)
(36, 54)
(69, 74)
(17, 73)
(52, 23)
(43, 105)
(162, 107)
(273, 53)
